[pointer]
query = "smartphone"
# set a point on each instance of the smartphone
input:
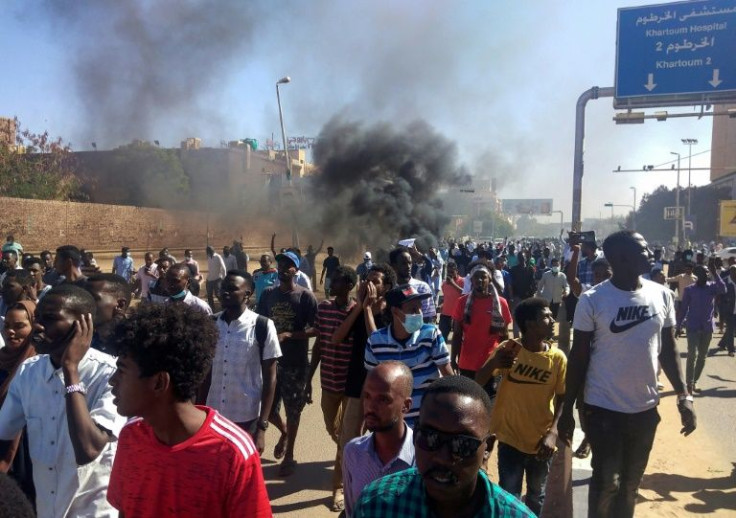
(70, 334)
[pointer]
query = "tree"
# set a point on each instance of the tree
(650, 220)
(38, 167)
(138, 174)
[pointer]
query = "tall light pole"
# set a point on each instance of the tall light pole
(677, 201)
(633, 214)
(689, 142)
(283, 81)
(609, 204)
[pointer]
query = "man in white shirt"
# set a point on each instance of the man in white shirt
(216, 271)
(147, 274)
(177, 286)
(243, 379)
(10, 262)
(231, 262)
(553, 287)
(623, 327)
(63, 398)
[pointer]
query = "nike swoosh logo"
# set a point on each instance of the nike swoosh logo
(620, 329)
(524, 382)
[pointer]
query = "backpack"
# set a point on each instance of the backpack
(261, 332)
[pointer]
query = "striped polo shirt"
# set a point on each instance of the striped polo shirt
(335, 358)
(423, 352)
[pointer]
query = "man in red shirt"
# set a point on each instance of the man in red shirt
(480, 323)
(452, 289)
(177, 459)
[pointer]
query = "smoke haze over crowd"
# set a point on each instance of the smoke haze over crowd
(500, 81)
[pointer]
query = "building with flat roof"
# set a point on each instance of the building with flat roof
(723, 151)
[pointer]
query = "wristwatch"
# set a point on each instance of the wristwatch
(78, 387)
(262, 425)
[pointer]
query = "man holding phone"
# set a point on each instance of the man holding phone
(63, 398)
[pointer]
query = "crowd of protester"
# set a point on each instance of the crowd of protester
(126, 392)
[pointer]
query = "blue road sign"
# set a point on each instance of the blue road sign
(676, 54)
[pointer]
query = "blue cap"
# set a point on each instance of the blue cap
(290, 256)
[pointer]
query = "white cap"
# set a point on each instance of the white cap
(366, 256)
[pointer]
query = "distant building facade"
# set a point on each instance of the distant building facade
(723, 151)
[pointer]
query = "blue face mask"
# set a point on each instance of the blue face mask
(413, 323)
(179, 296)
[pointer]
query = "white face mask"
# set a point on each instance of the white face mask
(555, 269)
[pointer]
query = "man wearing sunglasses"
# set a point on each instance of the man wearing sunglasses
(452, 441)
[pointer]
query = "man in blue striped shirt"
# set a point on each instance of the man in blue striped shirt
(409, 340)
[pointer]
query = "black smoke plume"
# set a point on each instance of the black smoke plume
(142, 66)
(380, 183)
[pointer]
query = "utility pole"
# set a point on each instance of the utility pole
(677, 201)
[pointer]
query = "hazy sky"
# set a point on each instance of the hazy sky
(501, 78)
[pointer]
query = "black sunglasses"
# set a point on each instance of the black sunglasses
(462, 446)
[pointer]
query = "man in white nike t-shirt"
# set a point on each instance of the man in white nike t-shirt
(623, 327)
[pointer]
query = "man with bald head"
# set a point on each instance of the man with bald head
(389, 447)
(452, 441)
(177, 286)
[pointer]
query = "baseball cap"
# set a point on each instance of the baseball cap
(399, 295)
(289, 256)
(367, 256)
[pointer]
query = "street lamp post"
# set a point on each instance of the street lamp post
(283, 81)
(633, 214)
(689, 142)
(612, 205)
(609, 204)
(677, 200)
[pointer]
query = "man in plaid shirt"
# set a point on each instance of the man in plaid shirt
(452, 440)
(589, 251)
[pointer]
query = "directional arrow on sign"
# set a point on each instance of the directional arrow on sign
(650, 82)
(715, 81)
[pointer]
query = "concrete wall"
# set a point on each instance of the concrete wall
(40, 224)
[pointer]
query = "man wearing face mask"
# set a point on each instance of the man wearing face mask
(553, 287)
(408, 339)
(177, 286)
